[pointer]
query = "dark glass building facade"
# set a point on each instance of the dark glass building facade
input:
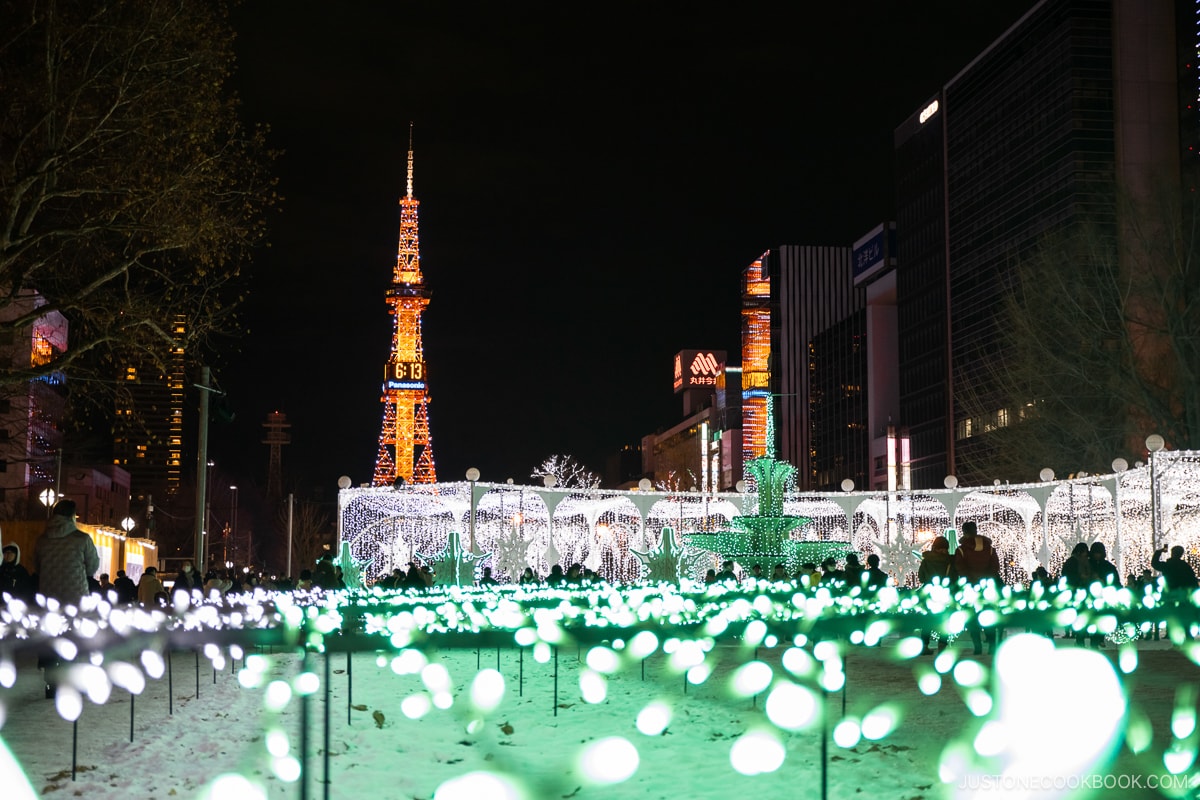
(813, 293)
(1031, 138)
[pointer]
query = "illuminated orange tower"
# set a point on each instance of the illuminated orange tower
(757, 436)
(405, 447)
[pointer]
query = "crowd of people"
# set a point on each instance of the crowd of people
(65, 562)
(65, 559)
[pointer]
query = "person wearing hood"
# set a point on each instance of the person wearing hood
(976, 561)
(936, 564)
(150, 588)
(64, 557)
(14, 578)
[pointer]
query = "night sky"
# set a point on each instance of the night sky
(593, 180)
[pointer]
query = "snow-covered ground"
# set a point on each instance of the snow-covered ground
(540, 749)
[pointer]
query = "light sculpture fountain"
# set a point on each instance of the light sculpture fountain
(765, 537)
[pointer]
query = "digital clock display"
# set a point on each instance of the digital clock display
(405, 375)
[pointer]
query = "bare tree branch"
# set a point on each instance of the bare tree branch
(130, 191)
(1100, 346)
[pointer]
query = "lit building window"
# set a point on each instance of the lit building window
(41, 351)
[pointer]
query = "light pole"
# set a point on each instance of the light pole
(1119, 465)
(1154, 443)
(644, 485)
(1046, 475)
(472, 476)
(205, 387)
(343, 483)
(208, 498)
(233, 520)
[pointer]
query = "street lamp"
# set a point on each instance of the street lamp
(48, 497)
(127, 524)
(233, 520)
(1119, 465)
(1154, 443)
(208, 497)
(472, 476)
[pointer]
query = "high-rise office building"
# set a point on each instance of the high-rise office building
(1033, 137)
(148, 430)
(814, 361)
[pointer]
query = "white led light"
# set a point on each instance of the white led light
(757, 752)
(608, 761)
(487, 690)
(654, 718)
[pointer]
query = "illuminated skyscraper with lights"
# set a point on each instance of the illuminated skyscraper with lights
(148, 430)
(756, 359)
(405, 448)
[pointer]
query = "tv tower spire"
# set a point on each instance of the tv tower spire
(405, 446)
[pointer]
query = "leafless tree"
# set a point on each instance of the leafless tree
(1099, 346)
(567, 472)
(312, 534)
(130, 192)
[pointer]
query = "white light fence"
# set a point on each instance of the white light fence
(519, 526)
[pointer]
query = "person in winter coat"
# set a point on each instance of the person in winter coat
(126, 588)
(15, 580)
(150, 588)
(853, 572)
(323, 576)
(1077, 570)
(976, 561)
(1179, 573)
(1106, 573)
(1103, 570)
(1077, 573)
(64, 556)
(936, 562)
(188, 579)
(874, 577)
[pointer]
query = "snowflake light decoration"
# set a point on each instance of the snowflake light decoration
(511, 554)
(901, 556)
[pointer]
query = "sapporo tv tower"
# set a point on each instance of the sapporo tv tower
(405, 449)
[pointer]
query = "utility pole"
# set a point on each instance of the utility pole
(290, 507)
(202, 465)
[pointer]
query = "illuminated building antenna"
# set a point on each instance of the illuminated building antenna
(405, 446)
(410, 152)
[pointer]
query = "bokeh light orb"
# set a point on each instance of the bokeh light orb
(610, 760)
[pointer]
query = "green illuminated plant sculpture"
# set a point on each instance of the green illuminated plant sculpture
(764, 537)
